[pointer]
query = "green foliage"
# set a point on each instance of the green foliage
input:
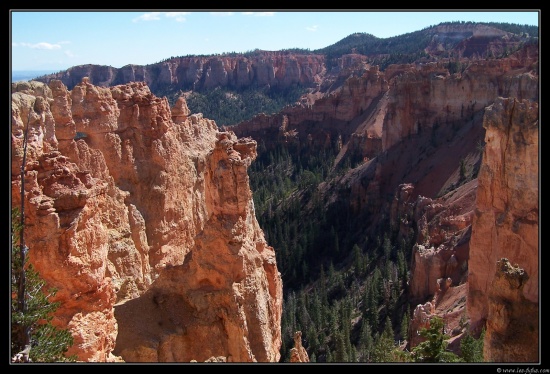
(34, 317)
(433, 349)
(405, 323)
(454, 67)
(410, 47)
(462, 170)
(384, 345)
(228, 107)
(472, 349)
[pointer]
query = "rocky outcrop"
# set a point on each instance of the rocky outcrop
(272, 69)
(506, 223)
(448, 303)
(443, 228)
(371, 111)
(512, 320)
(439, 261)
(444, 225)
(298, 353)
(321, 119)
(143, 218)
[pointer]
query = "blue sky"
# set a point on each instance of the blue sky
(57, 40)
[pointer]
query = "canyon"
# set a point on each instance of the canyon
(141, 213)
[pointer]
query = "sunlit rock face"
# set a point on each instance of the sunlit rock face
(131, 205)
(265, 68)
(506, 225)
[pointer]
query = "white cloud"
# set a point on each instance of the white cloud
(41, 45)
(312, 28)
(224, 14)
(178, 16)
(259, 14)
(154, 16)
(69, 54)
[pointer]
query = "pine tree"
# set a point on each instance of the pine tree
(471, 348)
(433, 349)
(340, 353)
(366, 341)
(33, 337)
(384, 345)
(405, 324)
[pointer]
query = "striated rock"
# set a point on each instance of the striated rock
(449, 303)
(264, 68)
(369, 111)
(226, 294)
(298, 353)
(443, 232)
(420, 320)
(144, 221)
(512, 321)
(506, 220)
(321, 119)
(180, 111)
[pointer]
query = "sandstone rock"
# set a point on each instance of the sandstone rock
(180, 111)
(512, 321)
(276, 69)
(506, 220)
(143, 217)
(443, 227)
(298, 353)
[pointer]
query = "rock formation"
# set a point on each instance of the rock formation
(298, 353)
(512, 320)
(371, 111)
(274, 69)
(482, 231)
(143, 219)
(506, 225)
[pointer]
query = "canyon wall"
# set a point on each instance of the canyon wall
(370, 111)
(273, 69)
(142, 217)
(505, 234)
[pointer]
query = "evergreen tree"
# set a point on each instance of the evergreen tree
(384, 345)
(33, 336)
(340, 353)
(387, 246)
(471, 348)
(358, 260)
(405, 322)
(366, 342)
(433, 349)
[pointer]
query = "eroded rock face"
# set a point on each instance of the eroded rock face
(512, 321)
(372, 111)
(506, 220)
(298, 353)
(130, 204)
(275, 69)
(443, 232)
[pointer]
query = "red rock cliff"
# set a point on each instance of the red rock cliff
(506, 226)
(276, 69)
(144, 221)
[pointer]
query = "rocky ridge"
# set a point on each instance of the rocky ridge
(128, 208)
(272, 69)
